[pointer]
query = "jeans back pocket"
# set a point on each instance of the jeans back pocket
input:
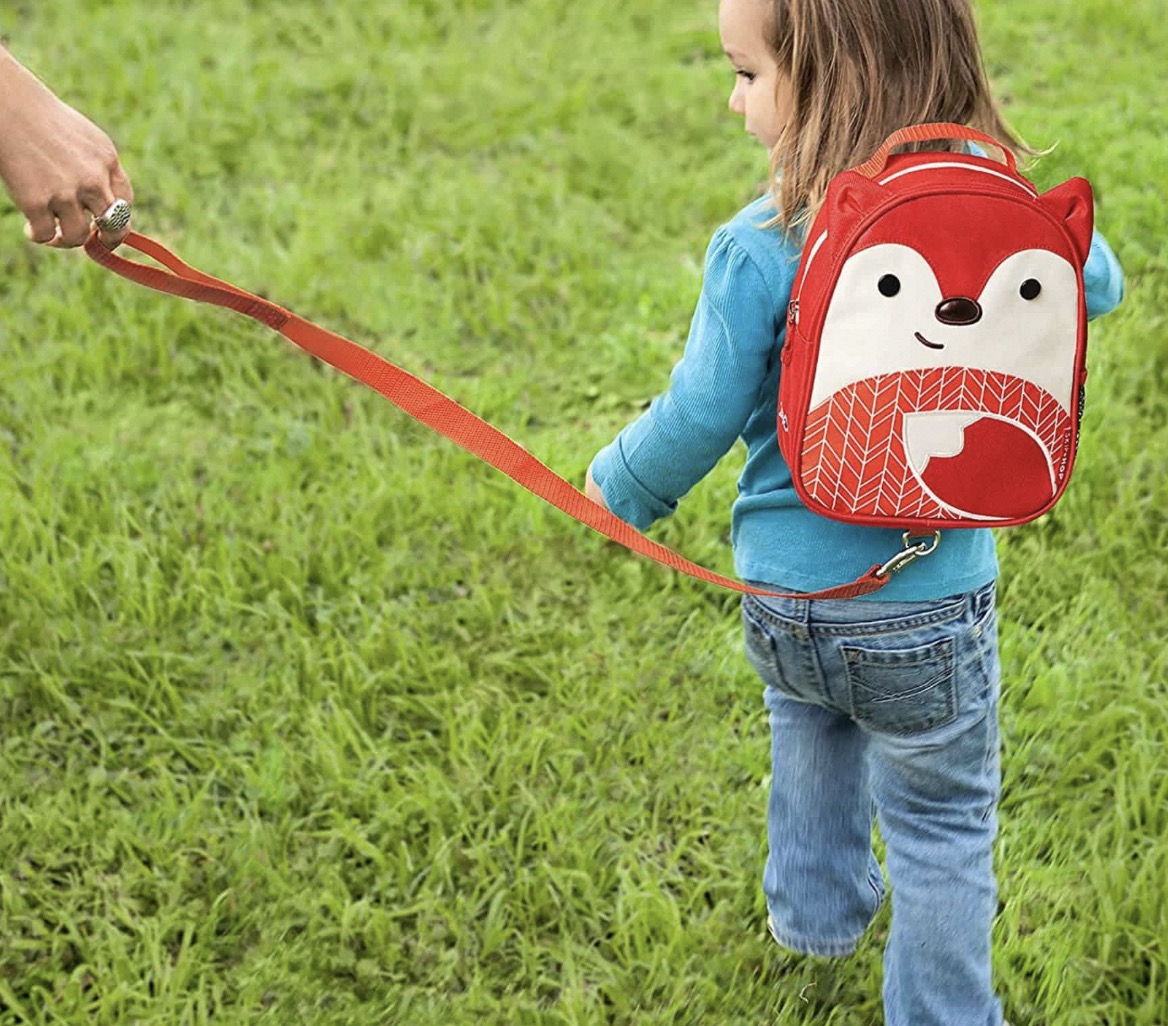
(902, 690)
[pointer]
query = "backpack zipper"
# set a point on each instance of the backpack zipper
(793, 306)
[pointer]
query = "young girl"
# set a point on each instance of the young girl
(886, 706)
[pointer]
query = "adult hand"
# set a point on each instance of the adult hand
(57, 165)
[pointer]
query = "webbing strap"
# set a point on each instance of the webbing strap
(426, 404)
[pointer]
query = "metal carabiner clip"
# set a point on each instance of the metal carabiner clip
(914, 549)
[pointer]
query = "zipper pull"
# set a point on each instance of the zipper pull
(793, 313)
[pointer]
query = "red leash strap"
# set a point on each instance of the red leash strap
(436, 410)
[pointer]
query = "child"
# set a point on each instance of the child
(886, 705)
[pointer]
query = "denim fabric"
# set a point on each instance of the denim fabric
(888, 710)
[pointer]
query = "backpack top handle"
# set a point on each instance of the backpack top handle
(926, 133)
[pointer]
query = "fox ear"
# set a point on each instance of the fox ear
(1073, 204)
(850, 195)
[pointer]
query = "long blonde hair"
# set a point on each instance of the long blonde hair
(857, 70)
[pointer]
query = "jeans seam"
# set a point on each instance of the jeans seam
(895, 625)
(876, 882)
(992, 743)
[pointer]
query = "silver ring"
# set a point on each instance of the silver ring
(115, 218)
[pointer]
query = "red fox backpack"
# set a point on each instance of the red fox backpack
(936, 341)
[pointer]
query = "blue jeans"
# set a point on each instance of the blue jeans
(891, 710)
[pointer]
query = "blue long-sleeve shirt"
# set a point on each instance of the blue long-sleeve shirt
(726, 387)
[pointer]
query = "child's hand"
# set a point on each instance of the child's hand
(592, 490)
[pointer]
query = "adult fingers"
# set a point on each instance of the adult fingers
(122, 189)
(98, 199)
(41, 225)
(67, 222)
(73, 224)
(120, 182)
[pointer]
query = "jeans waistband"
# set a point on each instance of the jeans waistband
(848, 612)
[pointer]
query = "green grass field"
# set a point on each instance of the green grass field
(306, 717)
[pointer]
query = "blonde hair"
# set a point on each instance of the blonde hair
(857, 70)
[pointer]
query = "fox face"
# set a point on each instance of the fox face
(889, 313)
(947, 363)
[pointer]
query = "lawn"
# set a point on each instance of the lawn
(310, 718)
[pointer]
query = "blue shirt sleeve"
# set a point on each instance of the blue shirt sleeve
(712, 392)
(1102, 279)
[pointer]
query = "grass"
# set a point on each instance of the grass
(308, 718)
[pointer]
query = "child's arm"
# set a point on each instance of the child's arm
(1102, 279)
(712, 392)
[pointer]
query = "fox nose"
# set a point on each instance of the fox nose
(958, 311)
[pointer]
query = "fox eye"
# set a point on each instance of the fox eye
(889, 285)
(1030, 288)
